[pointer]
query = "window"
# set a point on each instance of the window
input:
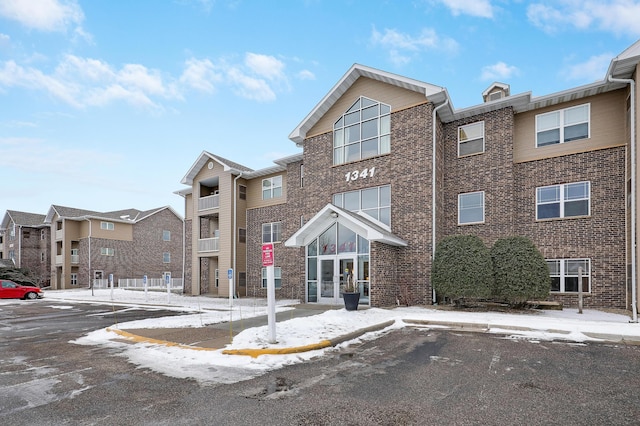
(271, 232)
(565, 275)
(363, 131)
(242, 235)
(242, 192)
(109, 226)
(277, 271)
(562, 126)
(217, 278)
(301, 175)
(471, 208)
(42, 257)
(375, 202)
(26, 234)
(558, 201)
(106, 251)
(166, 235)
(166, 257)
(272, 187)
(471, 139)
(42, 234)
(74, 279)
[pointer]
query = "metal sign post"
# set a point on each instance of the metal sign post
(230, 276)
(267, 262)
(167, 280)
(111, 284)
(144, 282)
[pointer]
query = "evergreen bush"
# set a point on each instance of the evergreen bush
(462, 268)
(520, 271)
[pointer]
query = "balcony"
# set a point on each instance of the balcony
(208, 202)
(208, 245)
(59, 234)
(59, 259)
(75, 259)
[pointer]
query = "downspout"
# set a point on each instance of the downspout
(634, 296)
(235, 218)
(19, 246)
(89, 262)
(433, 193)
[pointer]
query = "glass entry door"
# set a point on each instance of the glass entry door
(334, 273)
(328, 280)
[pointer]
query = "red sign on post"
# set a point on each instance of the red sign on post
(267, 254)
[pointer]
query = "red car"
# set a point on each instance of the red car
(11, 290)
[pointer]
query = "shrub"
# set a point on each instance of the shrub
(462, 268)
(519, 270)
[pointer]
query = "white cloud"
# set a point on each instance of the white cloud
(43, 15)
(594, 69)
(250, 87)
(479, 8)
(402, 46)
(5, 40)
(265, 66)
(498, 71)
(200, 74)
(616, 16)
(306, 75)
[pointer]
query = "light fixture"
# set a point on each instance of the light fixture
(334, 215)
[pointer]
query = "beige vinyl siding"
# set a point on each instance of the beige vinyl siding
(607, 128)
(121, 231)
(398, 98)
(188, 206)
(254, 191)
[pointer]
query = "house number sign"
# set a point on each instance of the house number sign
(360, 174)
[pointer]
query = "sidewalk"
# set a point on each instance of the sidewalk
(307, 327)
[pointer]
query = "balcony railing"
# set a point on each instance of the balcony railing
(59, 259)
(75, 258)
(59, 234)
(208, 202)
(208, 244)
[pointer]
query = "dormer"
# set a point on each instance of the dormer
(496, 91)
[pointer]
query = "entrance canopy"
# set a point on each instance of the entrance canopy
(359, 223)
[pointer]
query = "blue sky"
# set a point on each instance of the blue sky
(105, 105)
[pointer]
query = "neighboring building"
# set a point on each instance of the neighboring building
(88, 245)
(389, 168)
(25, 241)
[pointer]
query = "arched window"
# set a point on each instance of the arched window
(363, 131)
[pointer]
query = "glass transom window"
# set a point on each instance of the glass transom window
(363, 131)
(375, 202)
(562, 126)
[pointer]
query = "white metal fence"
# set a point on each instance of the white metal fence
(176, 284)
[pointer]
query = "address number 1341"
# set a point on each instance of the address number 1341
(360, 174)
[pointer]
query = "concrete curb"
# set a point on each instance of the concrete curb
(141, 339)
(254, 353)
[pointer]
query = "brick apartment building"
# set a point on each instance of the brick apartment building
(389, 167)
(24, 241)
(72, 247)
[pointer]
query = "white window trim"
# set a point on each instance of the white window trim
(483, 139)
(272, 186)
(271, 232)
(562, 201)
(107, 251)
(483, 207)
(166, 235)
(562, 125)
(166, 257)
(562, 273)
(107, 226)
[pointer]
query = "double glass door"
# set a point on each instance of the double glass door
(334, 272)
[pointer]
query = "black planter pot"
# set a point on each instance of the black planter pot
(351, 301)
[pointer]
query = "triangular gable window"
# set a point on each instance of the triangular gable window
(363, 131)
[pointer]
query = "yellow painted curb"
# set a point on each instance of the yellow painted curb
(141, 339)
(254, 353)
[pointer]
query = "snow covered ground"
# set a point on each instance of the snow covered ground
(215, 367)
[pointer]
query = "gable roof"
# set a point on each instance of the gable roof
(435, 93)
(361, 224)
(125, 216)
(32, 220)
(205, 156)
